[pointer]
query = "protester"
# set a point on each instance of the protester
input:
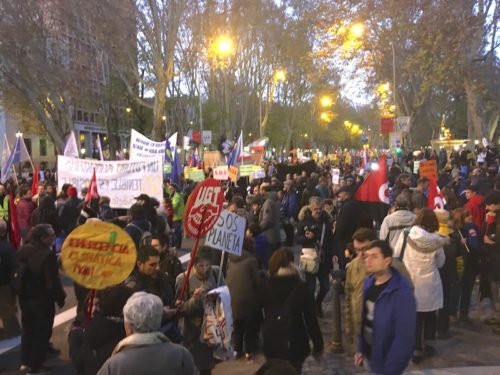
(46, 213)
(69, 211)
(4, 204)
(8, 309)
(421, 250)
(269, 218)
(170, 264)
(290, 320)
(315, 235)
(203, 278)
(394, 224)
(145, 350)
(245, 285)
(25, 208)
(42, 289)
(138, 226)
(355, 277)
(104, 331)
(178, 208)
(449, 273)
(491, 231)
(419, 195)
(348, 218)
(387, 331)
(475, 205)
(289, 209)
(471, 251)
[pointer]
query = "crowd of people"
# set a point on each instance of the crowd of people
(404, 278)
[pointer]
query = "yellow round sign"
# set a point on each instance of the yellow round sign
(98, 255)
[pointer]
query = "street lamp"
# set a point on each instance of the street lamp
(326, 101)
(357, 30)
(220, 51)
(128, 109)
(280, 75)
(324, 117)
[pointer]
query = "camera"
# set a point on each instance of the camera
(311, 228)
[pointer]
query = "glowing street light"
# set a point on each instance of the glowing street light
(324, 117)
(128, 109)
(222, 47)
(280, 75)
(357, 30)
(164, 118)
(326, 101)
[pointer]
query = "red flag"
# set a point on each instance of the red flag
(14, 233)
(435, 198)
(34, 184)
(375, 187)
(92, 192)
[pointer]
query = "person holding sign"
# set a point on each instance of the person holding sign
(201, 280)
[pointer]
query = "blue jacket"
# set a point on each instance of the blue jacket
(289, 205)
(393, 326)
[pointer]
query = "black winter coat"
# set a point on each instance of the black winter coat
(100, 338)
(42, 274)
(348, 220)
(316, 226)
(290, 318)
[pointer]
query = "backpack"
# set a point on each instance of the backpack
(18, 277)
(146, 235)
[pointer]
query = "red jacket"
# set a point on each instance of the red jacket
(477, 209)
(24, 210)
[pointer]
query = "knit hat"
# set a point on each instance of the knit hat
(443, 217)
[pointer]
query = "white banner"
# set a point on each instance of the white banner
(403, 124)
(221, 173)
(227, 234)
(395, 140)
(121, 181)
(335, 176)
(141, 147)
(207, 137)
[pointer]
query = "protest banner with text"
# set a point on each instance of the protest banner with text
(141, 147)
(121, 181)
(227, 234)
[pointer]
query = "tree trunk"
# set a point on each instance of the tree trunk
(474, 123)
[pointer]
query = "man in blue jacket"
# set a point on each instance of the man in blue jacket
(389, 314)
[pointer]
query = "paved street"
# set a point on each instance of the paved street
(467, 347)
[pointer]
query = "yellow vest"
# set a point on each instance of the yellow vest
(4, 208)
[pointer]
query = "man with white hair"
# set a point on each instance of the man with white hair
(145, 350)
(394, 224)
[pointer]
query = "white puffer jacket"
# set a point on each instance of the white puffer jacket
(423, 256)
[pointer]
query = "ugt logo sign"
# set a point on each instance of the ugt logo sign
(203, 207)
